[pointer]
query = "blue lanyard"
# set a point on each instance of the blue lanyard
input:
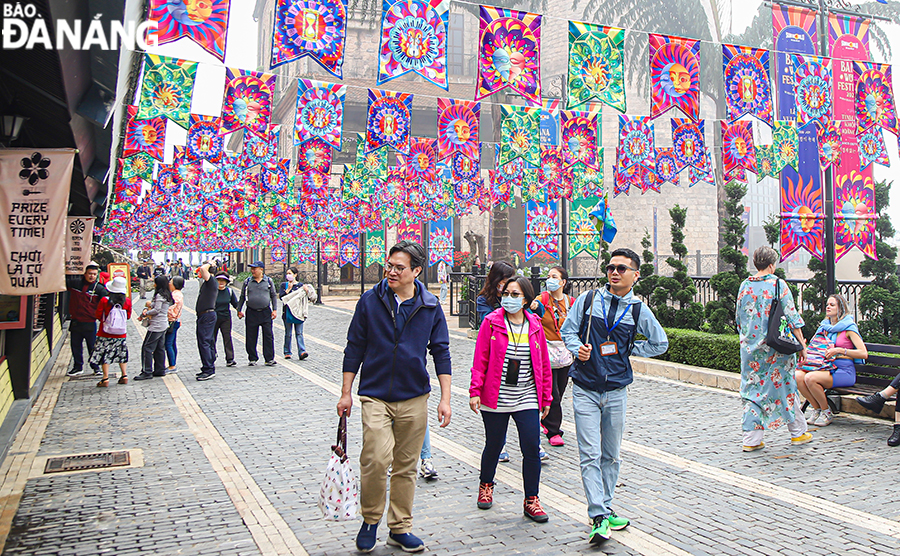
(609, 330)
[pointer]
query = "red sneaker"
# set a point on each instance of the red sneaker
(485, 495)
(556, 440)
(534, 511)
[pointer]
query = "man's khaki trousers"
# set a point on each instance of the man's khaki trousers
(393, 433)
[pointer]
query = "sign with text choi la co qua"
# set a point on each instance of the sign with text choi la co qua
(79, 234)
(34, 195)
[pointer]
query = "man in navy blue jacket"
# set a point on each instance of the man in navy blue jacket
(394, 323)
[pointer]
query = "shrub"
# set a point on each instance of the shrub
(703, 349)
(720, 313)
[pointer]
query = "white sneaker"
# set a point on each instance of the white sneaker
(825, 418)
(73, 372)
(427, 471)
(812, 414)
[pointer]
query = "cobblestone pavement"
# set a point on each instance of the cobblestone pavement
(233, 466)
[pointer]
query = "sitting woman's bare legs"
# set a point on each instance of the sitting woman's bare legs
(800, 377)
(816, 384)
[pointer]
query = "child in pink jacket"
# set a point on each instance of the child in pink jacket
(511, 376)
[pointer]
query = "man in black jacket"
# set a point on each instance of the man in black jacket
(394, 324)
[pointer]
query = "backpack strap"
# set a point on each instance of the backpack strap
(635, 315)
(588, 304)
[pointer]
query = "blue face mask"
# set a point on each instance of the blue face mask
(511, 305)
(552, 284)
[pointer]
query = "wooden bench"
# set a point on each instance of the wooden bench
(871, 375)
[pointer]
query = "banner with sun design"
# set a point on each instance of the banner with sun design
(747, 91)
(583, 235)
(421, 164)
(737, 147)
(320, 112)
(509, 46)
(802, 217)
(695, 176)
(203, 139)
(248, 101)
(785, 146)
(872, 148)
(541, 229)
(674, 75)
(829, 139)
(596, 65)
(854, 215)
(580, 136)
(647, 180)
(875, 97)
(550, 174)
(440, 242)
(813, 89)
(848, 37)
(764, 164)
(375, 163)
(204, 22)
(587, 181)
(457, 128)
(144, 135)
(139, 165)
(259, 149)
(375, 248)
(166, 89)
(414, 39)
(314, 155)
(667, 167)
(389, 120)
(688, 139)
(637, 145)
(314, 28)
(520, 134)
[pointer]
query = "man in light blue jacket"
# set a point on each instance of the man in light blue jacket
(601, 373)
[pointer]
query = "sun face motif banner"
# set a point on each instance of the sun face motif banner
(139, 165)
(421, 164)
(794, 31)
(813, 89)
(875, 97)
(520, 134)
(259, 150)
(848, 41)
(457, 128)
(509, 53)
(144, 135)
(872, 148)
(580, 133)
(764, 162)
(166, 89)
(541, 229)
(802, 217)
(596, 65)
(674, 75)
(583, 236)
(203, 21)
(203, 139)
(854, 215)
(375, 247)
(389, 120)
(785, 146)
(320, 112)
(414, 39)
(314, 28)
(829, 138)
(690, 144)
(248, 101)
(314, 155)
(747, 91)
(551, 170)
(737, 147)
(637, 145)
(440, 242)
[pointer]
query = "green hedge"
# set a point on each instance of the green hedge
(702, 349)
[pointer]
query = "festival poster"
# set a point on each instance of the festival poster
(747, 90)
(637, 145)
(520, 134)
(414, 39)
(509, 45)
(541, 229)
(314, 28)
(144, 135)
(389, 120)
(813, 89)
(457, 128)
(596, 65)
(248, 101)
(167, 87)
(667, 167)
(205, 23)
(320, 112)
(421, 164)
(583, 235)
(674, 75)
(440, 242)
(580, 137)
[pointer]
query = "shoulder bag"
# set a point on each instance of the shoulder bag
(779, 336)
(559, 354)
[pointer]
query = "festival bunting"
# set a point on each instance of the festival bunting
(587, 181)
(414, 39)
(389, 120)
(306, 250)
(580, 133)
(204, 22)
(463, 168)
(695, 176)
(764, 162)
(596, 65)
(259, 149)
(166, 89)
(813, 89)
(457, 128)
(674, 75)
(637, 145)
(349, 249)
(248, 101)
(320, 112)
(737, 147)
(139, 165)
(690, 145)
(785, 146)
(854, 215)
(541, 229)
(872, 148)
(747, 90)
(375, 248)
(203, 139)
(440, 242)
(330, 250)
(509, 53)
(421, 164)
(412, 232)
(144, 135)
(802, 217)
(583, 236)
(829, 139)
(667, 168)
(314, 28)
(520, 134)
(550, 175)
(315, 155)
(875, 97)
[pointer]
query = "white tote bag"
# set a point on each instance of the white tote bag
(339, 494)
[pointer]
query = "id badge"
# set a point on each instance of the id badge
(608, 348)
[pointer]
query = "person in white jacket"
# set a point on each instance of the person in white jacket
(295, 298)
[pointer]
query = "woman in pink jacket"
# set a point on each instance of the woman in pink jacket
(511, 376)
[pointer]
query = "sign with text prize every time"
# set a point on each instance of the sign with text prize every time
(34, 195)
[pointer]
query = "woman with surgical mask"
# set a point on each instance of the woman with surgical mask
(511, 377)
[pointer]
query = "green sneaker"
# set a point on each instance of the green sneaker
(617, 523)
(599, 530)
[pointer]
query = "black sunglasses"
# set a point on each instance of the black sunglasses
(618, 268)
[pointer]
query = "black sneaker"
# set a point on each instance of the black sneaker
(144, 376)
(252, 363)
(230, 363)
(873, 402)
(302, 356)
(894, 440)
(270, 363)
(205, 376)
(75, 372)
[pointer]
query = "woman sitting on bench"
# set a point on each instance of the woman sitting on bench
(875, 402)
(829, 360)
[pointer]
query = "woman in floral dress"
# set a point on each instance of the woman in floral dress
(768, 389)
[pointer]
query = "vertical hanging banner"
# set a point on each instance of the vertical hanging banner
(248, 101)
(166, 89)
(389, 120)
(802, 217)
(375, 249)
(674, 75)
(583, 235)
(520, 134)
(854, 215)
(596, 65)
(813, 89)
(738, 151)
(320, 112)
(412, 232)
(204, 22)
(794, 31)
(306, 250)
(421, 164)
(667, 167)
(203, 139)
(414, 39)
(509, 46)
(690, 144)
(829, 138)
(144, 136)
(785, 146)
(33, 203)
(314, 28)
(350, 249)
(541, 229)
(457, 128)
(637, 145)
(580, 133)
(764, 162)
(747, 90)
(872, 149)
(875, 97)
(79, 236)
(440, 242)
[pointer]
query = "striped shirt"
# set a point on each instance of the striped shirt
(523, 395)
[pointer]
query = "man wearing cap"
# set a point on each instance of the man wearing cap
(262, 300)
(206, 322)
(225, 300)
(143, 274)
(85, 294)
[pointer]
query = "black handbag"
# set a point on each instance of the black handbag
(779, 336)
